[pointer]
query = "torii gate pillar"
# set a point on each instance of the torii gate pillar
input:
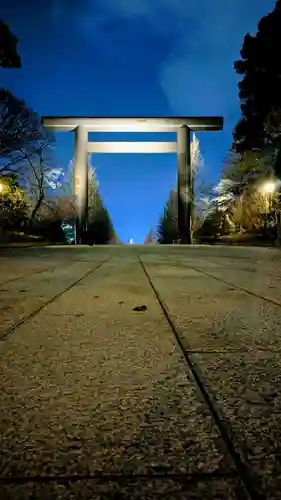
(185, 198)
(81, 181)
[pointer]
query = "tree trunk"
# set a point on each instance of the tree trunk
(278, 230)
(36, 208)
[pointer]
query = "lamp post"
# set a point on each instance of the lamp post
(268, 189)
(2, 189)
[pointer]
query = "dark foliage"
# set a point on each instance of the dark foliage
(13, 208)
(9, 57)
(100, 230)
(211, 226)
(260, 89)
(167, 228)
(48, 229)
(20, 131)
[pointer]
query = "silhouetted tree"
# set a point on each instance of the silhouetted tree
(20, 130)
(100, 230)
(167, 231)
(9, 57)
(39, 173)
(260, 90)
(150, 237)
(47, 224)
(211, 228)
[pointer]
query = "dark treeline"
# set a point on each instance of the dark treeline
(35, 196)
(246, 201)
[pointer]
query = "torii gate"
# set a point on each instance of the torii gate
(181, 125)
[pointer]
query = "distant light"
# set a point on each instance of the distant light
(268, 187)
(131, 241)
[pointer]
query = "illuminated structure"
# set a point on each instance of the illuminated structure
(182, 126)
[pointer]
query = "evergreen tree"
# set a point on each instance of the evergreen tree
(168, 227)
(260, 90)
(212, 226)
(9, 57)
(13, 207)
(100, 230)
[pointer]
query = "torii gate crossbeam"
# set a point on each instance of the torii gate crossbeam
(181, 125)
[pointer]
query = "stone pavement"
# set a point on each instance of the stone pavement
(180, 399)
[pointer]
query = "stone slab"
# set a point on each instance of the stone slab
(23, 296)
(213, 315)
(246, 389)
(105, 391)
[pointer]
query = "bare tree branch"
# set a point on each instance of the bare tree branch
(20, 129)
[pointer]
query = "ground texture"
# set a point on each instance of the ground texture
(140, 372)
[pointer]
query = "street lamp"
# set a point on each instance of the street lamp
(269, 187)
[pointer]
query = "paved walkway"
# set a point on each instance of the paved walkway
(179, 399)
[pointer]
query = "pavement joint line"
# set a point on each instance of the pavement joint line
(27, 274)
(22, 247)
(233, 350)
(217, 351)
(242, 289)
(36, 311)
(227, 266)
(247, 476)
(60, 265)
(190, 477)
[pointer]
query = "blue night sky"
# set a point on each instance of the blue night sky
(133, 57)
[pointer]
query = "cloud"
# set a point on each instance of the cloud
(157, 13)
(198, 77)
(197, 73)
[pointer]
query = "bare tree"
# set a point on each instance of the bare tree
(20, 130)
(192, 195)
(39, 173)
(199, 189)
(65, 196)
(151, 237)
(63, 201)
(26, 149)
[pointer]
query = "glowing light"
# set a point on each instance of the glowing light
(269, 187)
